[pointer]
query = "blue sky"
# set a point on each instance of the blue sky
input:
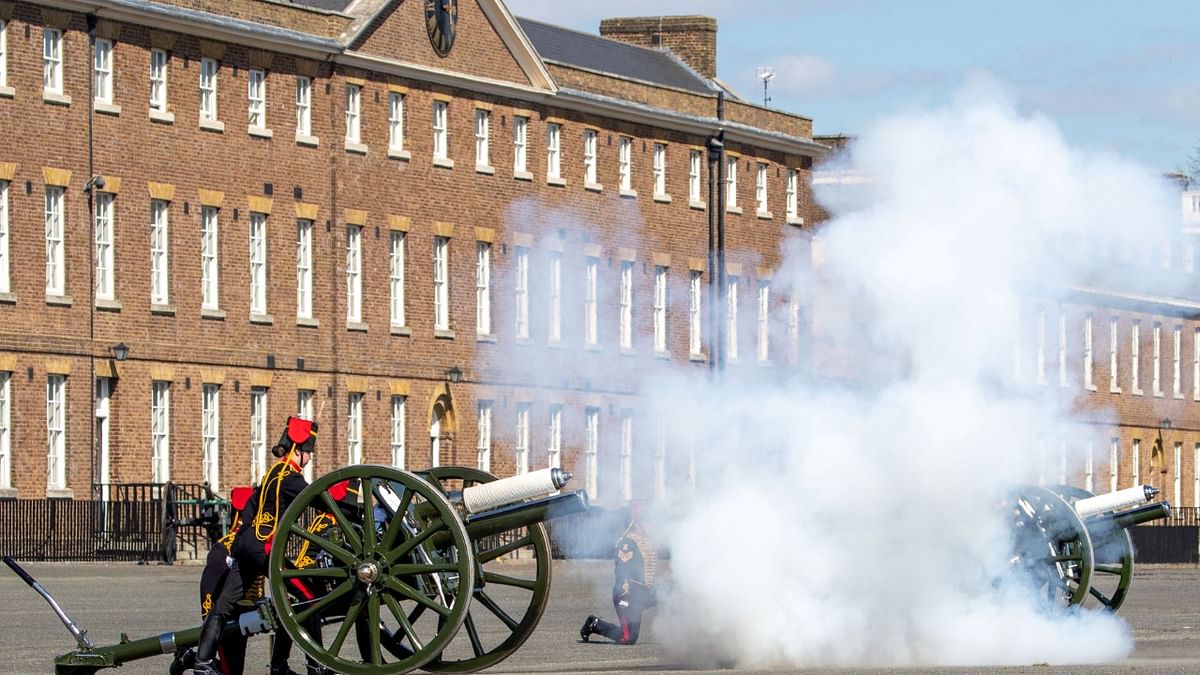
(1117, 76)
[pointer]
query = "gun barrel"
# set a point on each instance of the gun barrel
(1111, 501)
(525, 514)
(487, 496)
(1127, 519)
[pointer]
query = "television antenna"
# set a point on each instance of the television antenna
(766, 74)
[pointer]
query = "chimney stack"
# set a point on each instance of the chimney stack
(692, 38)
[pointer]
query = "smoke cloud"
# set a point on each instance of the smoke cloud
(858, 525)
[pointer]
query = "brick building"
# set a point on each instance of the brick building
(408, 227)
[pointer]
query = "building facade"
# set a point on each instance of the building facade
(448, 235)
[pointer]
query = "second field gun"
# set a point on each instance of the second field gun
(1076, 545)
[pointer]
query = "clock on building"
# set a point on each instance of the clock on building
(441, 20)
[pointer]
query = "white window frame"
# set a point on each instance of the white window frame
(553, 151)
(591, 452)
(589, 156)
(1135, 338)
(760, 189)
(1089, 359)
(1114, 468)
(625, 321)
(104, 223)
(210, 255)
(441, 283)
(695, 307)
(1089, 469)
(102, 71)
(521, 443)
(353, 114)
(521, 293)
(5, 430)
(56, 228)
(483, 288)
(353, 273)
(395, 121)
(1177, 363)
(483, 438)
(1196, 475)
(52, 60)
(5, 237)
(1114, 361)
(1196, 370)
(793, 198)
(554, 438)
(160, 251)
(304, 410)
(1062, 349)
(591, 293)
(304, 268)
(56, 432)
(303, 106)
(793, 331)
(258, 264)
(354, 428)
(258, 433)
(1178, 480)
(1156, 375)
(159, 79)
(210, 435)
(694, 164)
(520, 143)
(1135, 462)
(554, 320)
(398, 441)
(441, 130)
(256, 98)
(731, 165)
(483, 124)
(731, 317)
(3, 53)
(396, 247)
(626, 455)
(763, 345)
(160, 431)
(625, 163)
(661, 279)
(659, 167)
(209, 70)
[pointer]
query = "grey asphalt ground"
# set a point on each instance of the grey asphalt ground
(1163, 609)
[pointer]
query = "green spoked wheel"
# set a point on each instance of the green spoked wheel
(1113, 553)
(509, 595)
(1051, 546)
(399, 583)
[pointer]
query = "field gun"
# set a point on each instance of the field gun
(1076, 545)
(403, 562)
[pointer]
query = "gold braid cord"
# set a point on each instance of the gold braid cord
(317, 526)
(269, 520)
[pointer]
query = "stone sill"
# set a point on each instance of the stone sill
(523, 175)
(663, 198)
(55, 99)
(764, 215)
(735, 210)
(356, 148)
(443, 162)
(358, 326)
(59, 300)
(666, 356)
(698, 358)
(629, 194)
(401, 331)
(108, 304)
(163, 310)
(307, 322)
(162, 117)
(443, 334)
(307, 141)
(260, 132)
(60, 493)
(485, 169)
(400, 154)
(485, 337)
(9, 493)
(215, 126)
(795, 220)
(8, 298)
(217, 314)
(106, 108)
(8, 92)
(262, 319)
(556, 181)
(699, 206)
(593, 187)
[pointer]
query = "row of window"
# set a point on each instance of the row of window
(210, 266)
(1093, 483)
(256, 113)
(1157, 356)
(259, 438)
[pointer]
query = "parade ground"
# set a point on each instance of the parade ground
(145, 600)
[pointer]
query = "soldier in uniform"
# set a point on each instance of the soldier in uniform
(230, 572)
(634, 562)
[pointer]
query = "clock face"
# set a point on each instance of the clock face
(441, 20)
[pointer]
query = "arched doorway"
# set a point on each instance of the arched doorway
(442, 425)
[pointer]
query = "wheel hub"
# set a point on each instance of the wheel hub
(367, 572)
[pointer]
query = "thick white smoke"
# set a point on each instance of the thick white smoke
(857, 525)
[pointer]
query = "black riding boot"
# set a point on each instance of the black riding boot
(210, 640)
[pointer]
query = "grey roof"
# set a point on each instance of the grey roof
(332, 5)
(593, 52)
